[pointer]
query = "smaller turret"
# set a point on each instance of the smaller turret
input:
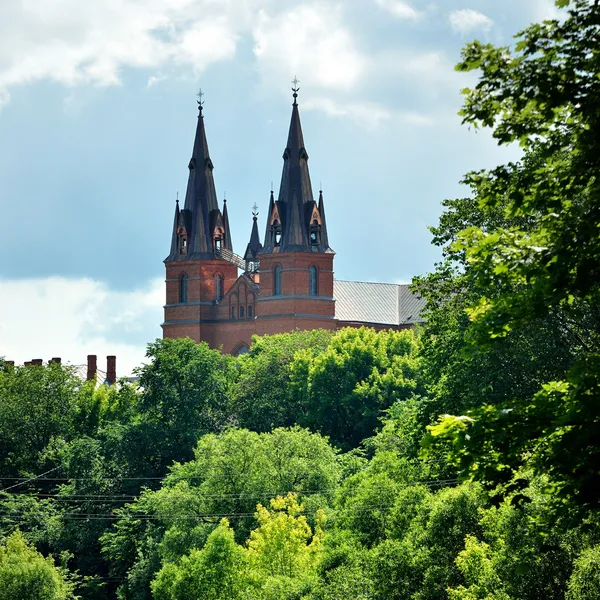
(254, 245)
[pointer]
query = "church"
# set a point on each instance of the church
(284, 283)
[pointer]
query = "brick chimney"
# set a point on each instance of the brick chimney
(10, 363)
(38, 362)
(56, 360)
(27, 363)
(111, 369)
(92, 366)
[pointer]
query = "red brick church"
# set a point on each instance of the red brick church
(286, 283)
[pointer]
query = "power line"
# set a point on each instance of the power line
(30, 479)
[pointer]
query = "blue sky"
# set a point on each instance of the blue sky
(97, 117)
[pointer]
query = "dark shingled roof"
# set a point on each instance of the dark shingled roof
(201, 209)
(296, 203)
(254, 245)
(377, 303)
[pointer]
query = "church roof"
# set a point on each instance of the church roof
(376, 303)
(299, 226)
(200, 214)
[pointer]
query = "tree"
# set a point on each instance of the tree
(584, 583)
(37, 404)
(264, 393)
(26, 575)
(213, 573)
(283, 544)
(349, 385)
(231, 472)
(186, 392)
(545, 95)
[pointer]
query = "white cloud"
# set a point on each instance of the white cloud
(71, 318)
(312, 42)
(155, 80)
(467, 20)
(546, 9)
(73, 42)
(369, 114)
(398, 9)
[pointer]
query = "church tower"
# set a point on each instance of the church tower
(296, 262)
(197, 274)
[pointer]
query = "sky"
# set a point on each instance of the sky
(97, 118)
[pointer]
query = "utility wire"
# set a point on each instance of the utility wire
(30, 479)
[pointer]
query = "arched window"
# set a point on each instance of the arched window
(277, 281)
(183, 289)
(241, 349)
(313, 281)
(249, 311)
(241, 312)
(218, 288)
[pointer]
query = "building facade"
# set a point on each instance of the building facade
(283, 284)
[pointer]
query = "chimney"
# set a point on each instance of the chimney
(10, 363)
(92, 366)
(111, 369)
(27, 363)
(38, 362)
(56, 360)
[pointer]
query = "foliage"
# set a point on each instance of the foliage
(283, 544)
(186, 393)
(213, 573)
(584, 583)
(25, 574)
(358, 376)
(544, 95)
(230, 474)
(265, 397)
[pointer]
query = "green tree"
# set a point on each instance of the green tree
(264, 395)
(26, 575)
(214, 573)
(544, 95)
(186, 392)
(584, 583)
(37, 404)
(362, 373)
(232, 472)
(478, 570)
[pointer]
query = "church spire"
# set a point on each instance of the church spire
(227, 243)
(254, 244)
(290, 218)
(200, 214)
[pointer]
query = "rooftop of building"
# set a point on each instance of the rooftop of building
(376, 303)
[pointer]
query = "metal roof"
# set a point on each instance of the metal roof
(384, 303)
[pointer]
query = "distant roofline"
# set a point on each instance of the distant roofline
(372, 282)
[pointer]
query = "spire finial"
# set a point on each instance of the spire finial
(177, 198)
(254, 211)
(200, 101)
(295, 88)
(224, 197)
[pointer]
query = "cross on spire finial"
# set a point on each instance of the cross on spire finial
(295, 88)
(177, 198)
(200, 102)
(255, 210)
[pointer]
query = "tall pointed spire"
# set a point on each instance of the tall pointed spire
(200, 215)
(174, 236)
(227, 244)
(321, 208)
(254, 244)
(295, 205)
